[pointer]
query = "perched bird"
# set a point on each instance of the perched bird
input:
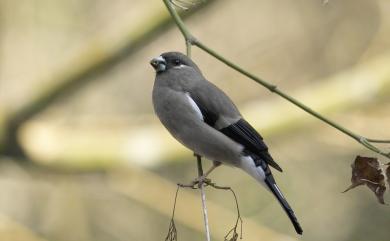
(204, 119)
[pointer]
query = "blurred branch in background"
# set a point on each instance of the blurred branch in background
(340, 91)
(13, 231)
(191, 40)
(365, 82)
(91, 62)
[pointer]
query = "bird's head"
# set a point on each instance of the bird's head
(172, 61)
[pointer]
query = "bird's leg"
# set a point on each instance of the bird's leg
(215, 165)
(204, 178)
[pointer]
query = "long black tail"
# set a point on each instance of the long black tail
(270, 181)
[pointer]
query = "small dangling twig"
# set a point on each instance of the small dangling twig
(232, 235)
(233, 231)
(172, 232)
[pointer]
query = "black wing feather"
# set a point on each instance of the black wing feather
(208, 116)
(243, 133)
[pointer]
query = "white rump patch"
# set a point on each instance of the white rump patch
(195, 106)
(248, 165)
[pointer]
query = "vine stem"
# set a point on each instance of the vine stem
(191, 40)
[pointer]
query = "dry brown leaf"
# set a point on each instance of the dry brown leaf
(367, 171)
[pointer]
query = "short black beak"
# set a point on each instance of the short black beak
(159, 64)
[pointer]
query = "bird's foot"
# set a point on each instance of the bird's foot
(197, 182)
(202, 179)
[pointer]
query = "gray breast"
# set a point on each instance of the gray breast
(183, 121)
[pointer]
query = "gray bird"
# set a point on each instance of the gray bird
(204, 119)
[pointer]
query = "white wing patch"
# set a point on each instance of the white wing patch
(194, 106)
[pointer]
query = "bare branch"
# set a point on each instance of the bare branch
(203, 196)
(200, 183)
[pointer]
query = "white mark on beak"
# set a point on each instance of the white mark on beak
(160, 58)
(159, 64)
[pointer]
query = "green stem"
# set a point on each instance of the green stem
(191, 40)
(274, 89)
(377, 141)
(188, 48)
(180, 24)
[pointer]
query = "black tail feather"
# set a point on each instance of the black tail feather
(269, 180)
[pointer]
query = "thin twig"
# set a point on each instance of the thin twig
(203, 195)
(172, 232)
(232, 233)
(191, 40)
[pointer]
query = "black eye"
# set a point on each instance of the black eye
(177, 62)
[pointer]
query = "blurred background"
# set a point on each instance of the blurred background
(82, 156)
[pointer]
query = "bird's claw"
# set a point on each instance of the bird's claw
(201, 180)
(198, 182)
